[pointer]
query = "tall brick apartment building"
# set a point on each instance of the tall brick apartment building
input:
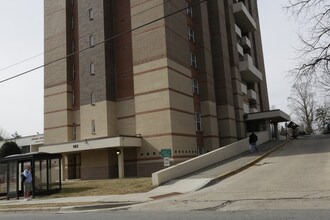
(185, 82)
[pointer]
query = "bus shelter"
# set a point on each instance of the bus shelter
(45, 169)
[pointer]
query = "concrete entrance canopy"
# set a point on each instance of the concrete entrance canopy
(120, 143)
(93, 144)
(274, 116)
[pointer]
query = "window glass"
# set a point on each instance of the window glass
(198, 121)
(193, 60)
(191, 34)
(92, 68)
(93, 127)
(195, 87)
(189, 10)
(91, 40)
(91, 14)
(93, 99)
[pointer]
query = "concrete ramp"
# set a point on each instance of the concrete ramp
(205, 160)
(180, 186)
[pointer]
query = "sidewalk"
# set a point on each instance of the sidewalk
(189, 183)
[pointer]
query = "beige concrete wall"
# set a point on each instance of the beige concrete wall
(154, 123)
(210, 125)
(227, 124)
(126, 117)
(183, 123)
(57, 102)
(55, 75)
(154, 144)
(104, 115)
(56, 135)
(184, 146)
(151, 81)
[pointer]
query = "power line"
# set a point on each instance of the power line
(102, 42)
(30, 58)
(22, 61)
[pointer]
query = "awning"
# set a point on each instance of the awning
(93, 144)
(273, 115)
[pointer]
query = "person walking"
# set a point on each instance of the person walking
(27, 183)
(253, 138)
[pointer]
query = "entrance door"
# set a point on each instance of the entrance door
(74, 166)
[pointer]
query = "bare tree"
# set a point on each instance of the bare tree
(16, 135)
(2, 134)
(302, 104)
(313, 18)
(322, 117)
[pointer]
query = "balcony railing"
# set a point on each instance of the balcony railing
(252, 95)
(243, 18)
(238, 31)
(249, 72)
(244, 89)
(253, 110)
(246, 43)
(240, 49)
(246, 108)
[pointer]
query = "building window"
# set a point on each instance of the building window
(72, 22)
(193, 60)
(91, 40)
(200, 150)
(91, 14)
(198, 121)
(73, 71)
(195, 87)
(74, 132)
(72, 2)
(73, 98)
(189, 10)
(93, 127)
(93, 99)
(73, 47)
(191, 34)
(92, 68)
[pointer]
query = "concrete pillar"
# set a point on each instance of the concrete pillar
(268, 128)
(121, 169)
(275, 130)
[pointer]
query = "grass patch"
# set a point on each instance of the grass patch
(103, 187)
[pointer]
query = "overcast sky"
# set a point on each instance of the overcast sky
(22, 38)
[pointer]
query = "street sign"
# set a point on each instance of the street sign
(165, 153)
(167, 162)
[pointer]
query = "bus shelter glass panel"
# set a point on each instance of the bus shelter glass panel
(54, 174)
(3, 179)
(40, 169)
(12, 175)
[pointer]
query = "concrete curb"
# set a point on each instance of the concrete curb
(244, 167)
(44, 209)
(87, 208)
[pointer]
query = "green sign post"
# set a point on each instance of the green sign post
(165, 153)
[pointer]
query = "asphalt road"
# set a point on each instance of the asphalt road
(156, 215)
(292, 183)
